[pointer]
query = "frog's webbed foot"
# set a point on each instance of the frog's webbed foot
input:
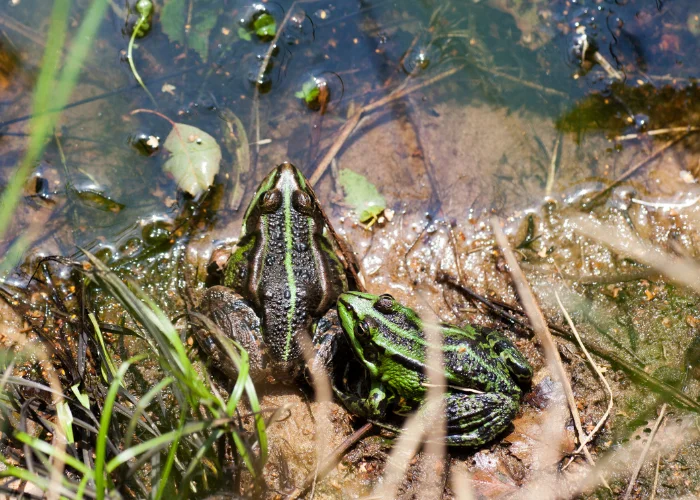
(236, 320)
(361, 395)
(475, 419)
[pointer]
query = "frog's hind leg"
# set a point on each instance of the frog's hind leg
(236, 320)
(476, 419)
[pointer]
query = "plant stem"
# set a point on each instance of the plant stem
(137, 28)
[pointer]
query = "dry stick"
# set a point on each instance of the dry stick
(676, 434)
(350, 125)
(428, 420)
(539, 326)
(552, 167)
(612, 72)
(656, 477)
(435, 447)
(660, 131)
(405, 447)
(330, 461)
(323, 395)
(605, 416)
(524, 83)
(25, 31)
(633, 169)
(643, 456)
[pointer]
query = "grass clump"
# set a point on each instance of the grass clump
(133, 437)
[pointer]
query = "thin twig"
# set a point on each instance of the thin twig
(612, 72)
(605, 416)
(643, 456)
(656, 477)
(539, 325)
(96, 98)
(660, 131)
(552, 166)
(683, 271)
(25, 31)
(524, 83)
(634, 168)
(350, 125)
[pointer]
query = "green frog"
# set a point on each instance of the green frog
(282, 281)
(482, 368)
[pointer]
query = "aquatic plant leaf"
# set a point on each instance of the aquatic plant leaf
(265, 26)
(309, 91)
(195, 158)
(362, 195)
(204, 15)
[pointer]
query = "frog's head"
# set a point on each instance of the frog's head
(376, 325)
(284, 187)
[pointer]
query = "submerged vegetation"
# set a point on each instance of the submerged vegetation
(125, 186)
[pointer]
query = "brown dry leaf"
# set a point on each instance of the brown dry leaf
(526, 440)
(491, 478)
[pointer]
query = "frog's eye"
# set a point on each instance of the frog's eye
(271, 201)
(363, 329)
(384, 304)
(302, 202)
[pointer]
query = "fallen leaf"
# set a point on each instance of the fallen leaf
(195, 158)
(361, 195)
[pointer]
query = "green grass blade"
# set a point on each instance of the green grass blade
(165, 471)
(47, 97)
(105, 418)
(167, 344)
(141, 408)
(164, 440)
(41, 122)
(103, 351)
(52, 451)
(42, 483)
(82, 42)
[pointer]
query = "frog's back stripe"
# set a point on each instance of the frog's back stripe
(289, 268)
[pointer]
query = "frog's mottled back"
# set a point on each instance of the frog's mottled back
(285, 264)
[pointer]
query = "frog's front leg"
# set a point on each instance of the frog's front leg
(236, 320)
(475, 419)
(365, 397)
(329, 342)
